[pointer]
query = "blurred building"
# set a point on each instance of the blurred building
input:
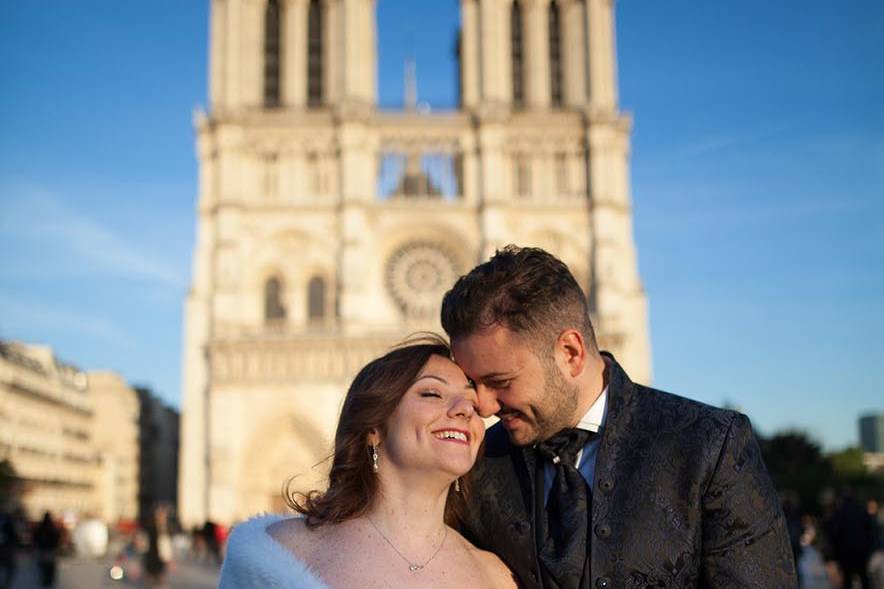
(46, 423)
(115, 436)
(158, 439)
(328, 229)
(871, 439)
(871, 433)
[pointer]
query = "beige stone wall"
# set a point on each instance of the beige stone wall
(115, 437)
(46, 416)
(298, 193)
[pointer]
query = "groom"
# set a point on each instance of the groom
(591, 480)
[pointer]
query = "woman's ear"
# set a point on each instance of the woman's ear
(374, 438)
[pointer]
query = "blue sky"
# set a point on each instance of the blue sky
(757, 169)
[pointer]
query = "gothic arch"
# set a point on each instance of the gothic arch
(317, 299)
(275, 308)
(278, 449)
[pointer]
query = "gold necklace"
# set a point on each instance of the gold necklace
(412, 566)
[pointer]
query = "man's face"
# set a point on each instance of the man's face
(531, 396)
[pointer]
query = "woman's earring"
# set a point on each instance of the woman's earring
(374, 458)
(457, 485)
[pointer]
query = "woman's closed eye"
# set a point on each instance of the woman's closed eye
(431, 393)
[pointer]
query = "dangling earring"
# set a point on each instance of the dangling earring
(457, 485)
(374, 458)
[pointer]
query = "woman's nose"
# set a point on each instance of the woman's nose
(463, 407)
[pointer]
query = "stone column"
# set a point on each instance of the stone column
(470, 169)
(536, 26)
(250, 53)
(294, 53)
(493, 59)
(233, 82)
(217, 57)
(358, 51)
(573, 51)
(370, 55)
(469, 53)
(602, 55)
(331, 51)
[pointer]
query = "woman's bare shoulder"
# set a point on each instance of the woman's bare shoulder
(293, 534)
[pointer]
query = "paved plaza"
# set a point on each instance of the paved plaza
(82, 573)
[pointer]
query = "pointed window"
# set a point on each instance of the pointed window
(272, 43)
(274, 308)
(316, 299)
(517, 54)
(314, 54)
(555, 54)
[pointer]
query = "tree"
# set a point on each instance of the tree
(796, 463)
(848, 463)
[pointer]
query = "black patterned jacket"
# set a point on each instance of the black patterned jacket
(681, 499)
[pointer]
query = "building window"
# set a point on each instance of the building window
(517, 54)
(272, 43)
(274, 308)
(555, 54)
(316, 299)
(314, 54)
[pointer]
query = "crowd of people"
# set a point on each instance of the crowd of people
(144, 553)
(45, 540)
(843, 547)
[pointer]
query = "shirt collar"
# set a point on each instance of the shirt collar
(594, 419)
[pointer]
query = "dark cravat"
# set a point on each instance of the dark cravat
(564, 550)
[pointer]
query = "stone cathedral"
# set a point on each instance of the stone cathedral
(328, 228)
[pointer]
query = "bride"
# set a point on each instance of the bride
(406, 440)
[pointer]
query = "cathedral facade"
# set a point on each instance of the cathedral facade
(328, 229)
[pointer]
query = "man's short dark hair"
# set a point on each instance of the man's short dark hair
(524, 289)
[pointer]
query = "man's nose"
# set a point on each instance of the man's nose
(488, 404)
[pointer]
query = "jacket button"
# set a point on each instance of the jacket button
(603, 583)
(606, 485)
(603, 530)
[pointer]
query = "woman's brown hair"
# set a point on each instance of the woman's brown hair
(371, 400)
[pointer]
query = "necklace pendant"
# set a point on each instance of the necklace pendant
(414, 567)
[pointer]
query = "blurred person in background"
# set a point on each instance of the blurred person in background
(158, 556)
(210, 537)
(9, 541)
(876, 563)
(850, 533)
(47, 540)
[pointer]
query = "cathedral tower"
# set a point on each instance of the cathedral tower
(329, 229)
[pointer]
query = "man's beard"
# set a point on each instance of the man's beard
(559, 403)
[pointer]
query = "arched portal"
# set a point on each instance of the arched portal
(283, 448)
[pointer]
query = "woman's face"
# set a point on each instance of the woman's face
(435, 426)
